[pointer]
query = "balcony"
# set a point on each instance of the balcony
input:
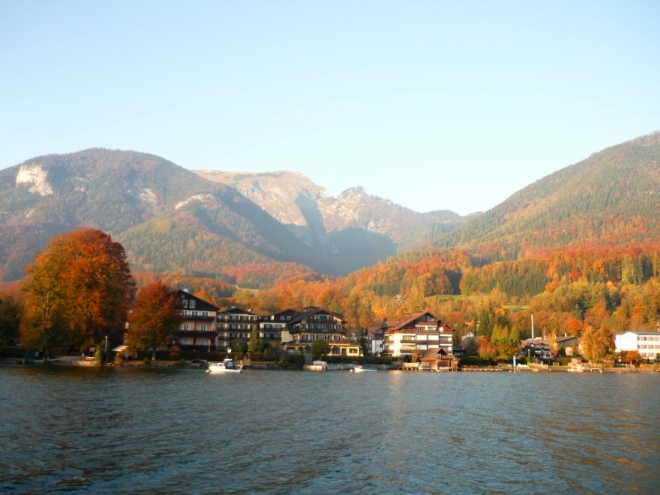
(198, 317)
(211, 334)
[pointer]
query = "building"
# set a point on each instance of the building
(646, 343)
(235, 324)
(376, 339)
(570, 344)
(417, 334)
(536, 347)
(198, 327)
(274, 328)
(301, 329)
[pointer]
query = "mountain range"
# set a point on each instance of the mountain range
(170, 219)
(318, 218)
(253, 229)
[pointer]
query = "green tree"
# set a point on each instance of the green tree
(320, 347)
(239, 346)
(155, 316)
(9, 320)
(506, 348)
(255, 344)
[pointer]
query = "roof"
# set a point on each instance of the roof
(559, 340)
(433, 354)
(642, 333)
(412, 320)
(201, 303)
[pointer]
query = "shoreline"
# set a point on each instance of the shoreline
(90, 363)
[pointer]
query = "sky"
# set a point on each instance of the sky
(437, 105)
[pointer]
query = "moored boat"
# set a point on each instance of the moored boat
(227, 366)
(360, 369)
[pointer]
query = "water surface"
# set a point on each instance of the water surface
(128, 430)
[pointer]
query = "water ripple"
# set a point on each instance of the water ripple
(121, 431)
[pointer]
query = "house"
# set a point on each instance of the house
(436, 358)
(274, 328)
(417, 334)
(198, 327)
(375, 338)
(646, 343)
(235, 323)
(570, 344)
(312, 323)
(536, 347)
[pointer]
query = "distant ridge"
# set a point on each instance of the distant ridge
(316, 216)
(611, 198)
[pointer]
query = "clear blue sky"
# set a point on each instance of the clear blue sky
(434, 105)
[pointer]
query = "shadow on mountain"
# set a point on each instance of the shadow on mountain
(354, 248)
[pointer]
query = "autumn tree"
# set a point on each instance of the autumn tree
(155, 316)
(485, 348)
(631, 357)
(596, 344)
(76, 292)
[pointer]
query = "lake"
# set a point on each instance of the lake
(115, 430)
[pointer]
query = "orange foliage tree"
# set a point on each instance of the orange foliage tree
(155, 316)
(77, 292)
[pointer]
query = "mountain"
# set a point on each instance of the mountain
(167, 217)
(611, 198)
(321, 220)
(243, 229)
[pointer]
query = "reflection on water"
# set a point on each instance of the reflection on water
(125, 430)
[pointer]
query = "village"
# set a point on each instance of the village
(420, 342)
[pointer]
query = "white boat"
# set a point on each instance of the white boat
(360, 369)
(227, 366)
(575, 369)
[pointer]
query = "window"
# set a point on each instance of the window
(194, 313)
(203, 329)
(205, 313)
(184, 327)
(192, 304)
(202, 342)
(352, 351)
(184, 302)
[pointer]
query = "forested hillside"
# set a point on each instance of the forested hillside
(612, 198)
(579, 249)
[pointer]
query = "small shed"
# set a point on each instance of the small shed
(436, 358)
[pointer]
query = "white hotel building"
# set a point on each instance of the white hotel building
(646, 343)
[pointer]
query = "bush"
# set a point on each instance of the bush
(297, 360)
(359, 359)
(13, 352)
(474, 361)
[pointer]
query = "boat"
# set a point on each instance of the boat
(227, 366)
(360, 369)
(575, 369)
